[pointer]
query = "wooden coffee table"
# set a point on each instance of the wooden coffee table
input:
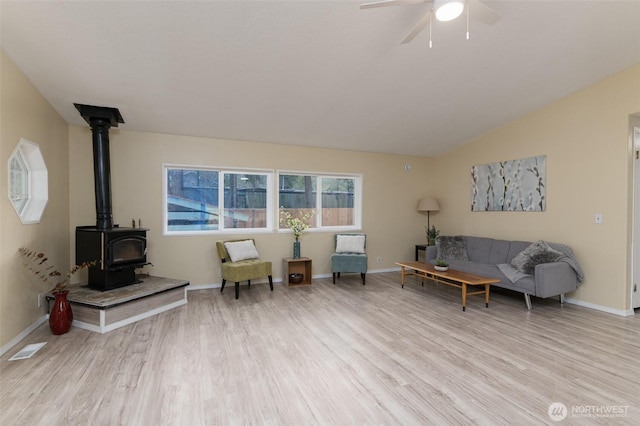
(450, 277)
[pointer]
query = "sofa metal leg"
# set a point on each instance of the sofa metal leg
(363, 276)
(223, 283)
(562, 298)
(334, 278)
(237, 289)
(271, 282)
(527, 300)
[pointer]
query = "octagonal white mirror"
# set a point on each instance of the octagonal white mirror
(28, 181)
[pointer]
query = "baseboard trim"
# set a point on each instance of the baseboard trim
(279, 280)
(601, 308)
(13, 342)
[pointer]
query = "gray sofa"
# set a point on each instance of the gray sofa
(492, 258)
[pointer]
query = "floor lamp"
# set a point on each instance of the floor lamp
(428, 204)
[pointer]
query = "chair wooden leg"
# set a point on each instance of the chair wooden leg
(223, 283)
(363, 274)
(237, 289)
(271, 282)
(334, 278)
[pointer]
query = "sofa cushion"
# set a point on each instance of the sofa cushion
(536, 253)
(516, 248)
(451, 248)
(241, 250)
(478, 248)
(499, 251)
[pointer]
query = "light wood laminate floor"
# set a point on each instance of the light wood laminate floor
(333, 355)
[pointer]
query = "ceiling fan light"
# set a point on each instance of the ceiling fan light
(447, 10)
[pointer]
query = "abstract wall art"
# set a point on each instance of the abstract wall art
(514, 185)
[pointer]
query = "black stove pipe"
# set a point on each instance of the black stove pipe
(101, 119)
(102, 172)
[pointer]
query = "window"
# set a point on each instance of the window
(201, 200)
(19, 182)
(336, 205)
(28, 182)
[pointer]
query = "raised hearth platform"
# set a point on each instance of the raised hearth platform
(103, 311)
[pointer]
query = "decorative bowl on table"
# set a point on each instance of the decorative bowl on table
(296, 278)
(441, 268)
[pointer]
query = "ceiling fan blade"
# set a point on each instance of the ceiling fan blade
(423, 23)
(482, 12)
(385, 3)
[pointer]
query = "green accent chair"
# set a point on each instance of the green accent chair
(241, 270)
(350, 255)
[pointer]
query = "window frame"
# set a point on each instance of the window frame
(29, 204)
(357, 200)
(222, 230)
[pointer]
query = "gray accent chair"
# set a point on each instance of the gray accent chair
(349, 261)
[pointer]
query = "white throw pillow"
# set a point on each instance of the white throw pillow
(241, 250)
(350, 244)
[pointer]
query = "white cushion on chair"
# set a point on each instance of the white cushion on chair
(350, 244)
(241, 250)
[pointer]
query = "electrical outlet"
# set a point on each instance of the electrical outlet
(378, 259)
(40, 297)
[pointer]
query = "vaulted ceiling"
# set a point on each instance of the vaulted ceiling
(315, 73)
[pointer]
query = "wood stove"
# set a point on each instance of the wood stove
(119, 251)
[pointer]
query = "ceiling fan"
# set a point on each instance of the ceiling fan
(442, 10)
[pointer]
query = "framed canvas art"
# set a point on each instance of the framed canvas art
(514, 185)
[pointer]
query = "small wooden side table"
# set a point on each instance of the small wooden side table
(421, 247)
(296, 266)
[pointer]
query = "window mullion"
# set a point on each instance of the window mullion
(319, 201)
(221, 178)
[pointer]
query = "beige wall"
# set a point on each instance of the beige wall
(585, 139)
(24, 113)
(390, 197)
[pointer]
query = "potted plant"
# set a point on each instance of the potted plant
(60, 316)
(298, 225)
(441, 265)
(432, 234)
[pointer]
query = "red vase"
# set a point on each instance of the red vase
(60, 317)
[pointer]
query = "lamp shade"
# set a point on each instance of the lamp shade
(447, 10)
(428, 204)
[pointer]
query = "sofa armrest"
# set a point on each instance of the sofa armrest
(554, 278)
(430, 254)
